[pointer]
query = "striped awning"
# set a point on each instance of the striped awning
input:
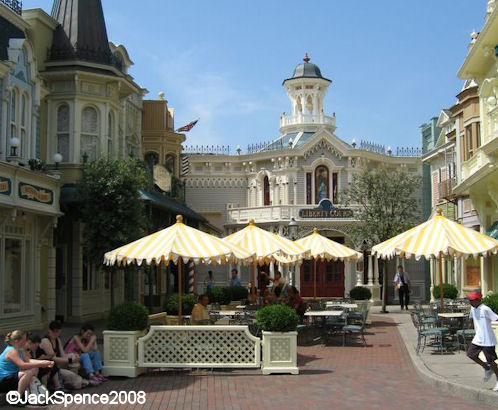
(323, 248)
(178, 241)
(437, 236)
(267, 246)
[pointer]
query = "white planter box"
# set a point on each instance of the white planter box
(280, 352)
(121, 354)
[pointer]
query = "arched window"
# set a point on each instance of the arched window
(110, 134)
(169, 163)
(322, 183)
(266, 191)
(89, 133)
(63, 131)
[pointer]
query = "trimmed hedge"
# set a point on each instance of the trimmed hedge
(222, 296)
(449, 291)
(360, 293)
(239, 292)
(128, 316)
(277, 318)
(491, 301)
(171, 304)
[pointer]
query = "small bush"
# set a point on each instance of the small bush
(219, 295)
(449, 291)
(239, 292)
(491, 301)
(277, 318)
(128, 316)
(171, 304)
(360, 293)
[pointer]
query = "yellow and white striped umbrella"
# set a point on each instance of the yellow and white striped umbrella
(266, 246)
(437, 237)
(323, 248)
(178, 241)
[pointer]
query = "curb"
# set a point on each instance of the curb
(457, 390)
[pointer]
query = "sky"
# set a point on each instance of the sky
(393, 64)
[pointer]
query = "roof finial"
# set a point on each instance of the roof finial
(439, 211)
(306, 58)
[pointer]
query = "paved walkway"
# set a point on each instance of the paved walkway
(382, 375)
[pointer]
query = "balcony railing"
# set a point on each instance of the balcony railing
(320, 119)
(445, 188)
(14, 5)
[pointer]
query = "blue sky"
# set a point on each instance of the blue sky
(393, 63)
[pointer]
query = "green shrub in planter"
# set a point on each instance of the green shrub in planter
(360, 293)
(128, 316)
(219, 295)
(277, 318)
(171, 304)
(449, 291)
(239, 292)
(491, 301)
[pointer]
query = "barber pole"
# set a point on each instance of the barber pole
(191, 277)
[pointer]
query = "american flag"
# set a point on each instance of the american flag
(187, 127)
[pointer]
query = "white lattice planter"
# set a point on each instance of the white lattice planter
(280, 352)
(120, 353)
(199, 346)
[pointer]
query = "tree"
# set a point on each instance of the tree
(110, 205)
(384, 204)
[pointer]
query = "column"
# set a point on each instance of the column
(484, 277)
(370, 270)
(359, 278)
(376, 271)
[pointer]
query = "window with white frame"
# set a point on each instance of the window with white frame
(24, 121)
(13, 112)
(89, 133)
(63, 131)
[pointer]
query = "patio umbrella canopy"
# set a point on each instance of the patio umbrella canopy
(175, 242)
(322, 248)
(266, 246)
(435, 239)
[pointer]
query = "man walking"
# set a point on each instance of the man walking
(402, 283)
(485, 339)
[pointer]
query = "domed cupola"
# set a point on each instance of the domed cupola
(306, 89)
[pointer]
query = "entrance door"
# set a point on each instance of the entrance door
(329, 279)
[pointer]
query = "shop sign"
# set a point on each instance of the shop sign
(325, 210)
(36, 193)
(5, 186)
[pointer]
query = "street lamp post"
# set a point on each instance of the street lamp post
(293, 236)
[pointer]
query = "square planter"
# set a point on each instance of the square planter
(280, 352)
(121, 353)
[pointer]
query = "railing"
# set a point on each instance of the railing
(265, 146)
(321, 119)
(445, 188)
(408, 152)
(207, 149)
(371, 146)
(472, 165)
(199, 346)
(14, 5)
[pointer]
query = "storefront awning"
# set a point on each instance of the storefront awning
(493, 231)
(170, 204)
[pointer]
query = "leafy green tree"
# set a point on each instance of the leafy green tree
(111, 209)
(385, 205)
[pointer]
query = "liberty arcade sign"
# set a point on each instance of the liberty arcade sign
(325, 210)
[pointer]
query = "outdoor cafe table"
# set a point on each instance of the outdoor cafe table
(224, 312)
(324, 313)
(452, 315)
(343, 305)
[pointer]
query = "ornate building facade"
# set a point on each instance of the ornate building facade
(297, 177)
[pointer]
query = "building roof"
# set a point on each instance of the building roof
(82, 34)
(307, 70)
(7, 31)
(298, 139)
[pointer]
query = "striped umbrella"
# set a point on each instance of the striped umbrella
(267, 246)
(175, 242)
(323, 248)
(435, 239)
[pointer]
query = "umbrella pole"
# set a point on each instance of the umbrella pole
(179, 291)
(314, 278)
(254, 292)
(441, 296)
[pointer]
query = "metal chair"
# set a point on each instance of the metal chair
(464, 335)
(437, 333)
(355, 328)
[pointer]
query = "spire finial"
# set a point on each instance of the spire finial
(439, 212)
(179, 219)
(315, 230)
(251, 221)
(306, 58)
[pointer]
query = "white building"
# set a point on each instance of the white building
(299, 175)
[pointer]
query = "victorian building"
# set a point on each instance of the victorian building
(297, 177)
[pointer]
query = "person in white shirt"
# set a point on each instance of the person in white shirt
(402, 283)
(485, 339)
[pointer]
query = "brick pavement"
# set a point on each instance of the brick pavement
(379, 376)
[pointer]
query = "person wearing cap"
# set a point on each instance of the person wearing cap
(484, 339)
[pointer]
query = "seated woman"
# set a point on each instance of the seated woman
(85, 344)
(15, 373)
(47, 376)
(52, 348)
(200, 314)
(295, 301)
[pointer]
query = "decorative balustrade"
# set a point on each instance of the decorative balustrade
(207, 149)
(199, 346)
(445, 188)
(321, 119)
(14, 5)
(470, 166)
(371, 146)
(408, 152)
(265, 146)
